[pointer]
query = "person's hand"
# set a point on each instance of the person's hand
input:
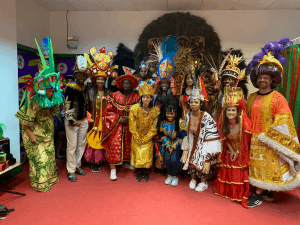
(233, 156)
(206, 168)
(184, 156)
(170, 150)
(124, 120)
(77, 124)
(33, 139)
(113, 82)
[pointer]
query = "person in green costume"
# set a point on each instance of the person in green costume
(36, 116)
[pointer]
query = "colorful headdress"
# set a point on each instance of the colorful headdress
(234, 96)
(146, 89)
(101, 64)
(269, 62)
(144, 64)
(127, 76)
(164, 52)
(197, 92)
(47, 78)
(232, 69)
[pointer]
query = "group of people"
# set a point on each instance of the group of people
(144, 123)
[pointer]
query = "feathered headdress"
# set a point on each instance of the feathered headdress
(231, 69)
(269, 61)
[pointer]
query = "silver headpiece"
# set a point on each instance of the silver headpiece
(144, 64)
(197, 91)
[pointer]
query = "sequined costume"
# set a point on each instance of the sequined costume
(168, 137)
(142, 125)
(274, 149)
(232, 181)
(97, 103)
(117, 137)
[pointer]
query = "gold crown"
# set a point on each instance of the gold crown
(146, 89)
(232, 95)
(232, 68)
(269, 59)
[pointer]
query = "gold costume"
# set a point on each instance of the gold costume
(142, 125)
(274, 150)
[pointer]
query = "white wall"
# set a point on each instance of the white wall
(33, 21)
(9, 74)
(246, 30)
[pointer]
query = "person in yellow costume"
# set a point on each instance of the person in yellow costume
(143, 118)
(274, 150)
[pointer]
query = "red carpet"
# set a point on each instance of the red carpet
(94, 199)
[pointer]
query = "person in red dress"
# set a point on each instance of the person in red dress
(235, 132)
(116, 135)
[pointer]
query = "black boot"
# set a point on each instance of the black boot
(139, 175)
(94, 168)
(146, 175)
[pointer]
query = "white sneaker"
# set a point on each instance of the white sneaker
(201, 186)
(113, 174)
(193, 184)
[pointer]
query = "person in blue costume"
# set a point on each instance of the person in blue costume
(171, 130)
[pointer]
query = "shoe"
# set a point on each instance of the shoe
(168, 181)
(131, 167)
(125, 165)
(163, 172)
(99, 167)
(139, 176)
(201, 186)
(80, 171)
(72, 177)
(113, 174)
(267, 196)
(146, 175)
(254, 201)
(193, 184)
(175, 182)
(94, 168)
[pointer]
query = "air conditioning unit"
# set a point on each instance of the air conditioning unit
(73, 42)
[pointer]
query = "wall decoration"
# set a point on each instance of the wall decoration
(20, 62)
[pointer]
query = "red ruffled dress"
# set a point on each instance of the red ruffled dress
(232, 181)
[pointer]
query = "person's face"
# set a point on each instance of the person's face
(264, 81)
(100, 81)
(146, 99)
(69, 81)
(228, 81)
(80, 77)
(143, 72)
(231, 112)
(170, 116)
(189, 80)
(127, 85)
(195, 104)
(49, 92)
(165, 86)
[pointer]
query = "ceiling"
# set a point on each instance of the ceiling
(148, 5)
